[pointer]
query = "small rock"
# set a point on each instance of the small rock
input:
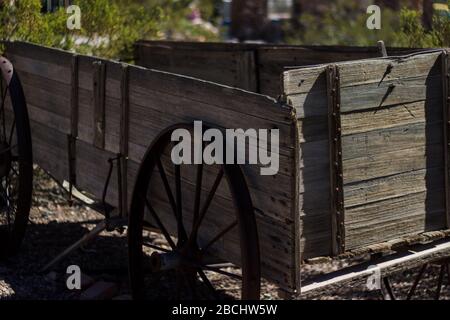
(100, 291)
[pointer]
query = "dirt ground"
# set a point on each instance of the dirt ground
(54, 225)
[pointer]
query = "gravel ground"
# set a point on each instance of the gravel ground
(54, 225)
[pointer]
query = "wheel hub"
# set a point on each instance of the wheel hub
(5, 159)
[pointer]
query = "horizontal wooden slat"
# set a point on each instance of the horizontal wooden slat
(383, 188)
(394, 162)
(392, 116)
(393, 218)
(374, 142)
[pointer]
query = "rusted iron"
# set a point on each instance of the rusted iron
(335, 153)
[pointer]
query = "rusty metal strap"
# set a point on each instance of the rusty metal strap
(335, 152)
(99, 86)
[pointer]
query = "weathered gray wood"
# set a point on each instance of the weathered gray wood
(379, 141)
(368, 191)
(99, 70)
(394, 162)
(219, 64)
(391, 117)
(393, 218)
(375, 95)
(50, 150)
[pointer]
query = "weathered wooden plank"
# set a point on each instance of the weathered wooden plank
(236, 67)
(383, 140)
(402, 184)
(217, 96)
(394, 162)
(59, 73)
(377, 95)
(38, 52)
(98, 84)
(273, 60)
(392, 116)
(368, 71)
(393, 218)
(45, 100)
(92, 171)
(185, 110)
(49, 119)
(50, 150)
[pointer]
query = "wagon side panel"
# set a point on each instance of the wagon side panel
(392, 148)
(159, 100)
(306, 90)
(46, 78)
(232, 65)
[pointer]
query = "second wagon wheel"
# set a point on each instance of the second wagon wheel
(16, 163)
(200, 212)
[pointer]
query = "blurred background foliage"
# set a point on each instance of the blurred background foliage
(110, 27)
(345, 24)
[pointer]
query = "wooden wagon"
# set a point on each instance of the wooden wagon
(363, 154)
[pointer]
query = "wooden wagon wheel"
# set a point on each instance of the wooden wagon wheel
(186, 255)
(16, 162)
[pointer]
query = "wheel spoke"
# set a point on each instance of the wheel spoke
(439, 286)
(218, 236)
(206, 281)
(209, 199)
(416, 282)
(160, 224)
(163, 176)
(155, 247)
(12, 131)
(182, 235)
(198, 191)
(222, 272)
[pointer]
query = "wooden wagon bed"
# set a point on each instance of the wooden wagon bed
(363, 143)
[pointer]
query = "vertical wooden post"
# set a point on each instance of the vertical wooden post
(446, 117)
(124, 137)
(99, 68)
(335, 152)
(73, 122)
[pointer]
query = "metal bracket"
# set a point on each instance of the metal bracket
(99, 87)
(336, 171)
